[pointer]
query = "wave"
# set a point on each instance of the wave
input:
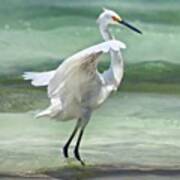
(150, 71)
(148, 11)
(151, 76)
(153, 71)
(157, 71)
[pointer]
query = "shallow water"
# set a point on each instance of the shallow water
(131, 129)
(140, 129)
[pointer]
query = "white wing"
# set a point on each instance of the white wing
(39, 78)
(76, 77)
(80, 64)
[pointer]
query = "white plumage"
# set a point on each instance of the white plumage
(39, 78)
(77, 84)
(76, 87)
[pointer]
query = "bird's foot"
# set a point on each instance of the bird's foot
(77, 156)
(69, 161)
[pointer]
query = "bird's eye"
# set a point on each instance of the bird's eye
(115, 18)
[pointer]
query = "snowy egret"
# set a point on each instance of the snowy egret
(76, 88)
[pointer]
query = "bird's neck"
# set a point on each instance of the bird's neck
(104, 30)
(115, 72)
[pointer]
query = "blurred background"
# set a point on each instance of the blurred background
(142, 118)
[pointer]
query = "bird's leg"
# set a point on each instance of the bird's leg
(66, 146)
(76, 150)
(86, 114)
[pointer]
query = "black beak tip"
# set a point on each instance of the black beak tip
(131, 27)
(140, 32)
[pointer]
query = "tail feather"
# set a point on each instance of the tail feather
(54, 109)
(39, 78)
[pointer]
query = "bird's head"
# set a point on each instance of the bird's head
(111, 17)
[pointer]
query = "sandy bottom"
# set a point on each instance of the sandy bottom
(98, 173)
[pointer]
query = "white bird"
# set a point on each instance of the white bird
(76, 88)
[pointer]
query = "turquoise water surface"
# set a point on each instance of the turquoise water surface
(140, 129)
(138, 126)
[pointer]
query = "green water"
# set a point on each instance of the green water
(35, 32)
(131, 128)
(137, 126)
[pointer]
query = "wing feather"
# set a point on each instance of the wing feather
(79, 68)
(39, 78)
(75, 79)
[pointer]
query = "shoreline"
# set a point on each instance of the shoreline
(97, 172)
